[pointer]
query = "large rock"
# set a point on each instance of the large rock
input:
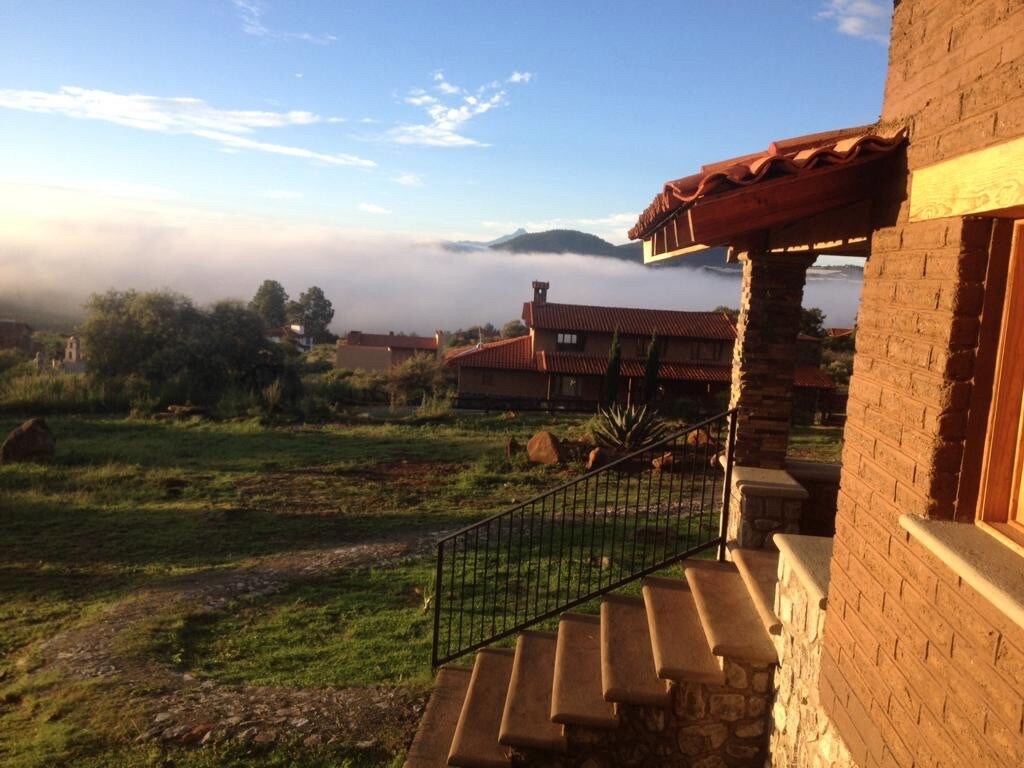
(32, 441)
(544, 448)
(597, 458)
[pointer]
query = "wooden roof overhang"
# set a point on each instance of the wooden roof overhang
(811, 194)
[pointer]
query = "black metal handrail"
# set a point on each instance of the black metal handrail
(585, 538)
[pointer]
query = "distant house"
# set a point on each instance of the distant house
(73, 361)
(381, 351)
(563, 360)
(15, 335)
(294, 334)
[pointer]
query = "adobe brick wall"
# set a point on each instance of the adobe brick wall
(918, 669)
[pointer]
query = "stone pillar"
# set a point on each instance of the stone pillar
(764, 357)
(763, 502)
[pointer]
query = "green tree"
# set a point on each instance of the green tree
(314, 312)
(270, 303)
(652, 365)
(513, 329)
(812, 322)
(611, 374)
(161, 338)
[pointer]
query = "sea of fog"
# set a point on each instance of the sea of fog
(374, 284)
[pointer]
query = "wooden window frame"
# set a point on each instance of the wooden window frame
(1001, 470)
(569, 346)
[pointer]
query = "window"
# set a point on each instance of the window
(569, 342)
(1001, 492)
(643, 343)
(706, 350)
(568, 386)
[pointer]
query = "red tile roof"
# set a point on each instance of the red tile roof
(390, 340)
(628, 320)
(513, 354)
(813, 378)
(580, 365)
(837, 333)
(786, 157)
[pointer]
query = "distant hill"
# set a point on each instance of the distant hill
(572, 241)
(480, 245)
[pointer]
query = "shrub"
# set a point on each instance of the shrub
(628, 427)
(44, 393)
(414, 380)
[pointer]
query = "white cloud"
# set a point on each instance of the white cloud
(252, 12)
(371, 208)
(409, 180)
(869, 19)
(299, 75)
(181, 115)
(282, 194)
(520, 77)
(447, 120)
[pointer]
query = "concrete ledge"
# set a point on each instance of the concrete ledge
(814, 471)
(977, 557)
(776, 483)
(810, 557)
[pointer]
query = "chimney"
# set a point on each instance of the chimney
(540, 292)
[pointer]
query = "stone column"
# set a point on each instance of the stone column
(764, 357)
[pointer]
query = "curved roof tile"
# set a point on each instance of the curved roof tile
(785, 157)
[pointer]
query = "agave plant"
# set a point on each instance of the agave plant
(628, 427)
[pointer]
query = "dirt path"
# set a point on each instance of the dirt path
(178, 708)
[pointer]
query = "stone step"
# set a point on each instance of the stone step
(628, 675)
(731, 623)
(429, 748)
(577, 697)
(681, 651)
(759, 569)
(526, 721)
(475, 742)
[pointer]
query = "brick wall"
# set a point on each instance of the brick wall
(918, 669)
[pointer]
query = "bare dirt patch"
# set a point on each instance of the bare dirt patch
(179, 708)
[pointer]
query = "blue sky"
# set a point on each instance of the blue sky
(544, 112)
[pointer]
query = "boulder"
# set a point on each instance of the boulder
(664, 463)
(186, 411)
(32, 441)
(544, 448)
(597, 458)
(701, 437)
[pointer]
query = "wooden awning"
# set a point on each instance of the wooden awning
(807, 193)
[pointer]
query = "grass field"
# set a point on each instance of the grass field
(151, 514)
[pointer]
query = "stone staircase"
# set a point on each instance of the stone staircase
(682, 677)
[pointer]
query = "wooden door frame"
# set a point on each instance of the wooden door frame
(1001, 469)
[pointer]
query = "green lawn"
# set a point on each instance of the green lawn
(128, 505)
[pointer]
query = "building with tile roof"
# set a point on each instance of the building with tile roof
(563, 360)
(381, 351)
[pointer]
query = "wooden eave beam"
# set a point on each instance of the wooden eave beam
(821, 209)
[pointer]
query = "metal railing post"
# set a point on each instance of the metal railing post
(437, 606)
(723, 518)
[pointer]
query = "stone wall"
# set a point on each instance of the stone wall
(763, 502)
(918, 669)
(803, 736)
(707, 726)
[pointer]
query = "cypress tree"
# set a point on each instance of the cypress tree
(651, 367)
(611, 374)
